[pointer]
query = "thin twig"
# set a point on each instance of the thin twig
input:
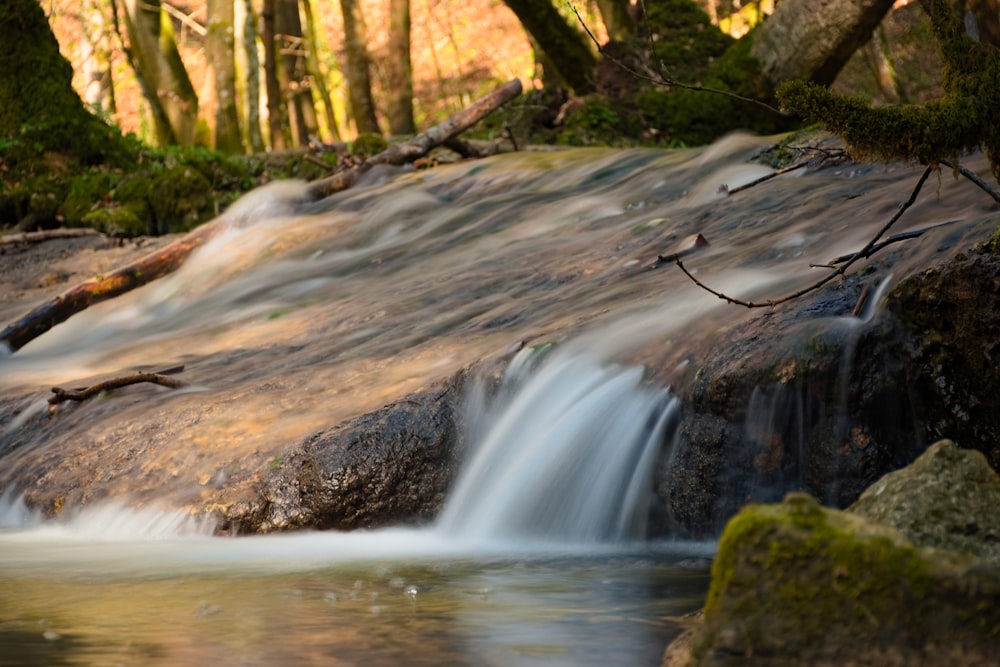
(972, 176)
(59, 395)
(895, 238)
(838, 271)
(661, 79)
(766, 177)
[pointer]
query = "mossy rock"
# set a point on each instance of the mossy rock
(795, 583)
(947, 498)
(117, 222)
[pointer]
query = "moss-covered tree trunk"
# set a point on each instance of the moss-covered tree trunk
(358, 72)
(223, 118)
(564, 46)
(812, 41)
(39, 110)
(159, 65)
(617, 19)
(293, 75)
(399, 71)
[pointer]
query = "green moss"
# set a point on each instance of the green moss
(799, 578)
(368, 144)
(963, 119)
(118, 222)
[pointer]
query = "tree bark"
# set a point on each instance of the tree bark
(399, 71)
(276, 117)
(95, 52)
(617, 20)
(154, 53)
(38, 108)
(811, 40)
(359, 85)
(252, 97)
(219, 48)
(293, 75)
(317, 72)
(567, 48)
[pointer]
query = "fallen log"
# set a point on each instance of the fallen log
(47, 234)
(170, 257)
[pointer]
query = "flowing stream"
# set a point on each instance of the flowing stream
(302, 316)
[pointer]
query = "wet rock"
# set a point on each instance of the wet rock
(389, 467)
(952, 313)
(806, 397)
(947, 498)
(798, 584)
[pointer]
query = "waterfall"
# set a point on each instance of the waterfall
(567, 456)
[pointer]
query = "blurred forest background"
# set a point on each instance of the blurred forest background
(214, 97)
(330, 81)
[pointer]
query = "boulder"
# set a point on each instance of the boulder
(795, 583)
(947, 498)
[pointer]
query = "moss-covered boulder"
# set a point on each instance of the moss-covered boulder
(798, 584)
(947, 498)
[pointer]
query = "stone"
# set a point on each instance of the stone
(795, 583)
(947, 498)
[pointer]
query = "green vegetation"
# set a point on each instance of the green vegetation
(963, 119)
(803, 581)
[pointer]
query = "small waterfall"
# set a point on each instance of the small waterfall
(567, 457)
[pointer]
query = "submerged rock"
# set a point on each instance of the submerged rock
(947, 498)
(798, 584)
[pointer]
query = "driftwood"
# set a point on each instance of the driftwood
(46, 234)
(81, 394)
(170, 257)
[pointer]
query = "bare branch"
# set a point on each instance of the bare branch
(972, 176)
(838, 271)
(162, 378)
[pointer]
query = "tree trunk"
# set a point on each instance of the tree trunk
(359, 85)
(276, 120)
(95, 52)
(252, 97)
(617, 20)
(399, 71)
(317, 73)
(811, 40)
(219, 42)
(293, 75)
(39, 111)
(158, 63)
(567, 48)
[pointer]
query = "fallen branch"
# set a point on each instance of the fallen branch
(895, 238)
(838, 271)
(101, 288)
(170, 257)
(419, 145)
(161, 378)
(47, 234)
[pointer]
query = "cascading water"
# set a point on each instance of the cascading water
(308, 316)
(568, 457)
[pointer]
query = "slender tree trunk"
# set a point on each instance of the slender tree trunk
(95, 52)
(811, 40)
(293, 75)
(878, 56)
(219, 42)
(154, 53)
(567, 48)
(618, 21)
(317, 73)
(399, 71)
(359, 85)
(276, 121)
(252, 77)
